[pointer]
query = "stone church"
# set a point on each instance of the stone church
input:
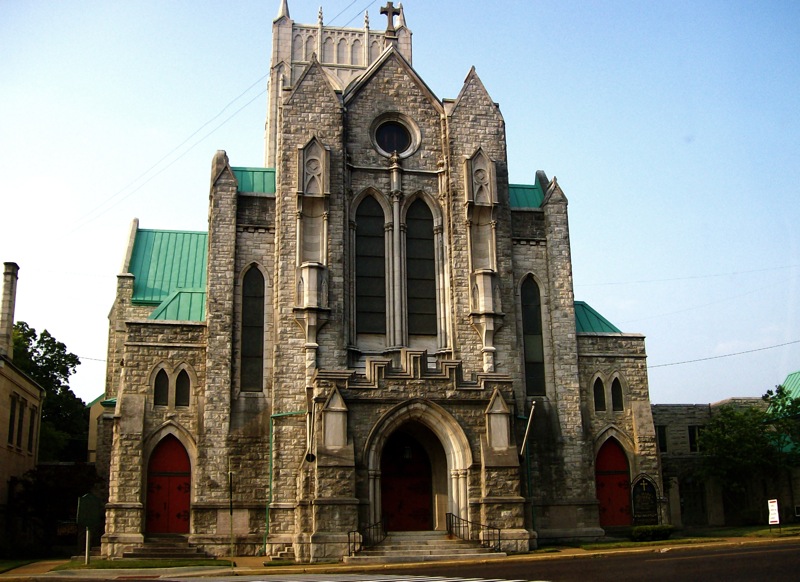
(377, 328)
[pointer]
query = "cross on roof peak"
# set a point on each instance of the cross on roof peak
(390, 11)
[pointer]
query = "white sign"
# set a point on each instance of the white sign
(774, 518)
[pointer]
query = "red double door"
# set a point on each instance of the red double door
(169, 484)
(406, 485)
(613, 482)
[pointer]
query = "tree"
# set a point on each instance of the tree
(65, 421)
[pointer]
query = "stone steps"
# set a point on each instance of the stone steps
(167, 548)
(434, 546)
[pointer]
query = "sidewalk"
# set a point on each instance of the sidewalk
(254, 565)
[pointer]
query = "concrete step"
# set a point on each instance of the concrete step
(427, 546)
(174, 548)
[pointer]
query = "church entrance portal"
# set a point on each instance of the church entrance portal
(406, 484)
(168, 488)
(613, 482)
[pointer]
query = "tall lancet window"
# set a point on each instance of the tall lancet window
(533, 340)
(420, 270)
(252, 373)
(370, 268)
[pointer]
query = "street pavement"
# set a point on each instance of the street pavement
(253, 568)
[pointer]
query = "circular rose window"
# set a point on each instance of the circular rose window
(392, 137)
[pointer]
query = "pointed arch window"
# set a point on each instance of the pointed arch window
(370, 268)
(182, 389)
(161, 389)
(617, 404)
(599, 396)
(533, 339)
(252, 360)
(420, 270)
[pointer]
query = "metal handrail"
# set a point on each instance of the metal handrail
(488, 536)
(367, 537)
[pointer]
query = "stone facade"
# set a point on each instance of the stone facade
(307, 394)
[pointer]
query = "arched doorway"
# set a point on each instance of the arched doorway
(613, 482)
(406, 484)
(169, 479)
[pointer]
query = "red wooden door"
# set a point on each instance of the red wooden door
(406, 485)
(613, 483)
(169, 485)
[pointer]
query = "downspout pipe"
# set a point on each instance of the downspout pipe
(271, 449)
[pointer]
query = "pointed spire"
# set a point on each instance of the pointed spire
(366, 19)
(283, 11)
(401, 20)
(319, 16)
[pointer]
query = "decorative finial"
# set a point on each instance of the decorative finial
(319, 16)
(390, 11)
(401, 20)
(366, 18)
(283, 10)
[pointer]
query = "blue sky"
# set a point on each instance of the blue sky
(673, 128)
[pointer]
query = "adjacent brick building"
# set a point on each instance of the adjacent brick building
(365, 330)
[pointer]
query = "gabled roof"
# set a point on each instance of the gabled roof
(587, 320)
(390, 53)
(182, 305)
(164, 261)
(525, 195)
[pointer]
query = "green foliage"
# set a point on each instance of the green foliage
(742, 441)
(647, 533)
(65, 420)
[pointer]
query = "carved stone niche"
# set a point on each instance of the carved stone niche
(312, 286)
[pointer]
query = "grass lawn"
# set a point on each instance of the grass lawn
(6, 565)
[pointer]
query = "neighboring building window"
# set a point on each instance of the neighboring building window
(182, 387)
(161, 389)
(12, 420)
(694, 438)
(661, 438)
(616, 396)
(370, 268)
(252, 377)
(532, 338)
(32, 428)
(599, 396)
(420, 270)
(21, 420)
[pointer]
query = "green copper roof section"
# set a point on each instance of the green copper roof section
(525, 195)
(792, 384)
(182, 305)
(164, 261)
(260, 180)
(587, 320)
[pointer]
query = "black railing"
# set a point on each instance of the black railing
(370, 536)
(488, 536)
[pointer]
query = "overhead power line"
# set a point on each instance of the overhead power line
(726, 355)
(689, 278)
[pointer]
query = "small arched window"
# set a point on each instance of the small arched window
(599, 396)
(182, 389)
(617, 403)
(420, 270)
(252, 376)
(161, 389)
(532, 336)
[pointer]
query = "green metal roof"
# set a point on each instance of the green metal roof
(587, 320)
(164, 261)
(525, 195)
(182, 305)
(261, 180)
(792, 384)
